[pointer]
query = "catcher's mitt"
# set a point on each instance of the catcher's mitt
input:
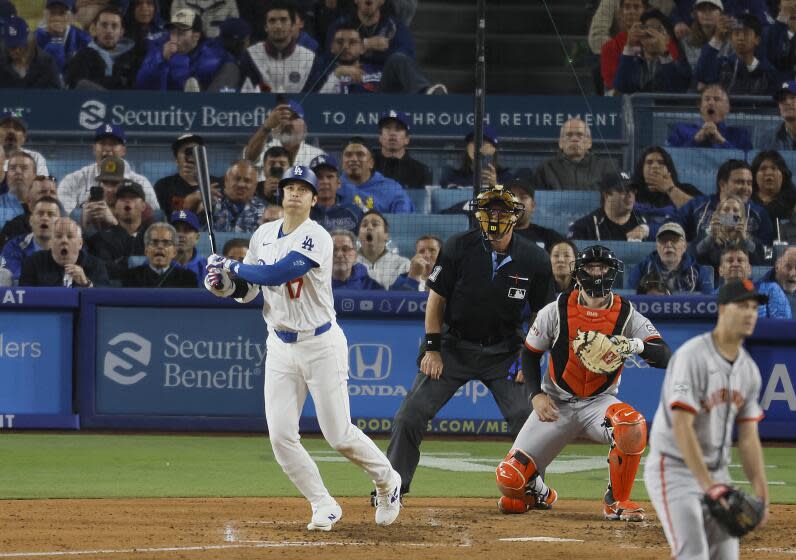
(599, 352)
(735, 510)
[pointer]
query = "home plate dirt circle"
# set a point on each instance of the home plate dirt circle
(249, 528)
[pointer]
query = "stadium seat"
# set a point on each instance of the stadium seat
(406, 228)
(203, 246)
(445, 198)
(698, 166)
(759, 271)
(566, 205)
(559, 224)
(421, 200)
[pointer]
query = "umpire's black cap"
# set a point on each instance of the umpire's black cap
(740, 290)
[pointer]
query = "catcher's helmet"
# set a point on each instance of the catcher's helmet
(596, 286)
(298, 173)
(496, 221)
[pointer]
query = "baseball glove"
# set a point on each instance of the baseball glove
(599, 352)
(735, 510)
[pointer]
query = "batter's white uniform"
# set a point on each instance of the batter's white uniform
(314, 363)
(699, 380)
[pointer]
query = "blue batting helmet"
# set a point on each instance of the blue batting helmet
(298, 173)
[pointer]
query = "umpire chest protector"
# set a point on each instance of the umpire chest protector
(566, 370)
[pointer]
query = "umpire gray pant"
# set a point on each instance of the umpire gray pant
(461, 362)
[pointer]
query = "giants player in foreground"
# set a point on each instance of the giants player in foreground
(290, 260)
(589, 332)
(710, 385)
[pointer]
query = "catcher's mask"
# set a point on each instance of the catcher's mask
(597, 285)
(497, 210)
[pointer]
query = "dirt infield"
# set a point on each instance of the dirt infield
(169, 529)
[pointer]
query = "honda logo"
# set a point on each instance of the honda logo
(370, 362)
(117, 368)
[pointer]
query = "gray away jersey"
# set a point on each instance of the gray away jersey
(699, 380)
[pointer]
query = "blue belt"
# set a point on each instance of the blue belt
(290, 337)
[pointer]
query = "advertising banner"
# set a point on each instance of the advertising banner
(35, 363)
(449, 115)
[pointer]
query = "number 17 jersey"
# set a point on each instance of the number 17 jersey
(305, 303)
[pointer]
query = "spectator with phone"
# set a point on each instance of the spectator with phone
(739, 73)
(492, 173)
(116, 241)
(735, 265)
(275, 162)
(647, 64)
(712, 132)
(97, 212)
(174, 189)
(427, 249)
(773, 185)
(109, 140)
(575, 167)
(696, 34)
(330, 211)
(65, 264)
(728, 228)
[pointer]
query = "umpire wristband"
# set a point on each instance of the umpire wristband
(433, 342)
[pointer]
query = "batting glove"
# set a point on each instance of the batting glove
(217, 262)
(219, 283)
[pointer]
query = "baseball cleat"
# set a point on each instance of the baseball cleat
(325, 516)
(388, 501)
(623, 511)
(546, 502)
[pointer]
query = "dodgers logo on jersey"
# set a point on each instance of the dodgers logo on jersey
(307, 244)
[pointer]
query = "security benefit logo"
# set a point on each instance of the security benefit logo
(181, 362)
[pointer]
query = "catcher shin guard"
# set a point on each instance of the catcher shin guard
(628, 430)
(514, 472)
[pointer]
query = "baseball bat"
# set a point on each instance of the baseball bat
(203, 175)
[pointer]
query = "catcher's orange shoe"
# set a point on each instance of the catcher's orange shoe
(514, 505)
(624, 511)
(548, 501)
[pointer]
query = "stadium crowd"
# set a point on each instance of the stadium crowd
(106, 224)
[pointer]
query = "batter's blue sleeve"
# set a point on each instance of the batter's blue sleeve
(291, 266)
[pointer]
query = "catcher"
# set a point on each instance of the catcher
(710, 385)
(589, 332)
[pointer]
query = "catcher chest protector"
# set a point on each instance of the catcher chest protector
(628, 430)
(566, 370)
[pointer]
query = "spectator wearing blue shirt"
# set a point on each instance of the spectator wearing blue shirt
(683, 10)
(368, 189)
(712, 132)
(329, 211)
(646, 63)
(184, 60)
(42, 221)
(187, 225)
(347, 273)
(20, 175)
(56, 37)
(778, 40)
(735, 265)
(734, 177)
(783, 136)
(427, 249)
(677, 269)
(740, 73)
(142, 22)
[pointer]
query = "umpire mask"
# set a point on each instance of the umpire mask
(597, 285)
(497, 210)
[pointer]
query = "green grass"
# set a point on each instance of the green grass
(104, 466)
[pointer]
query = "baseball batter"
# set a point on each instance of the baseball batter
(710, 385)
(589, 332)
(290, 261)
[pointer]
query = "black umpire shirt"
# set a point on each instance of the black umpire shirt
(486, 292)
